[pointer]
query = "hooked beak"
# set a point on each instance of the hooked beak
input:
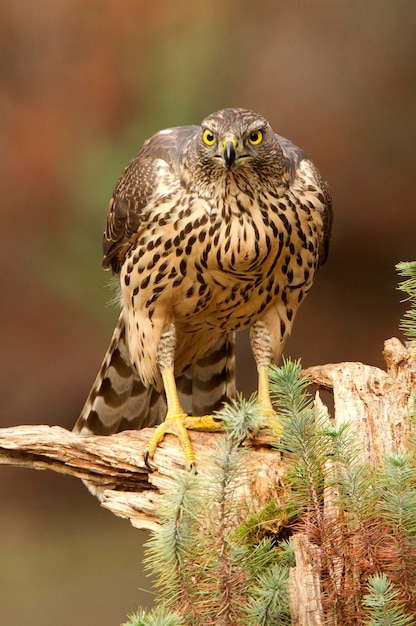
(230, 151)
(229, 154)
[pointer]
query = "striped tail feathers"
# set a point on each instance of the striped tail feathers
(206, 385)
(118, 400)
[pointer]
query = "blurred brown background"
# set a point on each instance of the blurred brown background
(82, 85)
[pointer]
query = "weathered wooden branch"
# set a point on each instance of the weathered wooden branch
(375, 401)
(113, 465)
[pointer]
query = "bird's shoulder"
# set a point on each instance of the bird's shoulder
(292, 153)
(306, 180)
(154, 170)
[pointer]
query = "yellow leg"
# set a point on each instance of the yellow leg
(263, 391)
(261, 340)
(265, 404)
(177, 423)
(174, 406)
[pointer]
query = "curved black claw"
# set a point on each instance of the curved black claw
(146, 458)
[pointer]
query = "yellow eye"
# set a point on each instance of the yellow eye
(208, 138)
(255, 137)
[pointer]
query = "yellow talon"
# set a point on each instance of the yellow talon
(173, 425)
(177, 423)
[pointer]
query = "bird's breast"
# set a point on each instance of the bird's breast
(217, 265)
(245, 239)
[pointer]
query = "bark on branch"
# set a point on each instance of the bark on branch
(376, 402)
(113, 465)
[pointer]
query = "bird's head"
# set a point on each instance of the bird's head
(237, 140)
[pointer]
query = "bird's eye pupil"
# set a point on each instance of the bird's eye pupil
(255, 137)
(208, 137)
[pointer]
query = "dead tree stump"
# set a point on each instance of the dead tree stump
(377, 403)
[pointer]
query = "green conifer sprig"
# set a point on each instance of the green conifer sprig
(202, 567)
(383, 604)
(308, 448)
(408, 323)
(352, 482)
(268, 602)
(396, 483)
(305, 444)
(396, 487)
(221, 589)
(240, 417)
(155, 617)
(167, 552)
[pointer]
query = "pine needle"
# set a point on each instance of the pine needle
(240, 417)
(268, 602)
(408, 322)
(156, 617)
(383, 605)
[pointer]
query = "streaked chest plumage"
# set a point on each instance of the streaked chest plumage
(220, 263)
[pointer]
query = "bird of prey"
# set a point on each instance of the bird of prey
(211, 229)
